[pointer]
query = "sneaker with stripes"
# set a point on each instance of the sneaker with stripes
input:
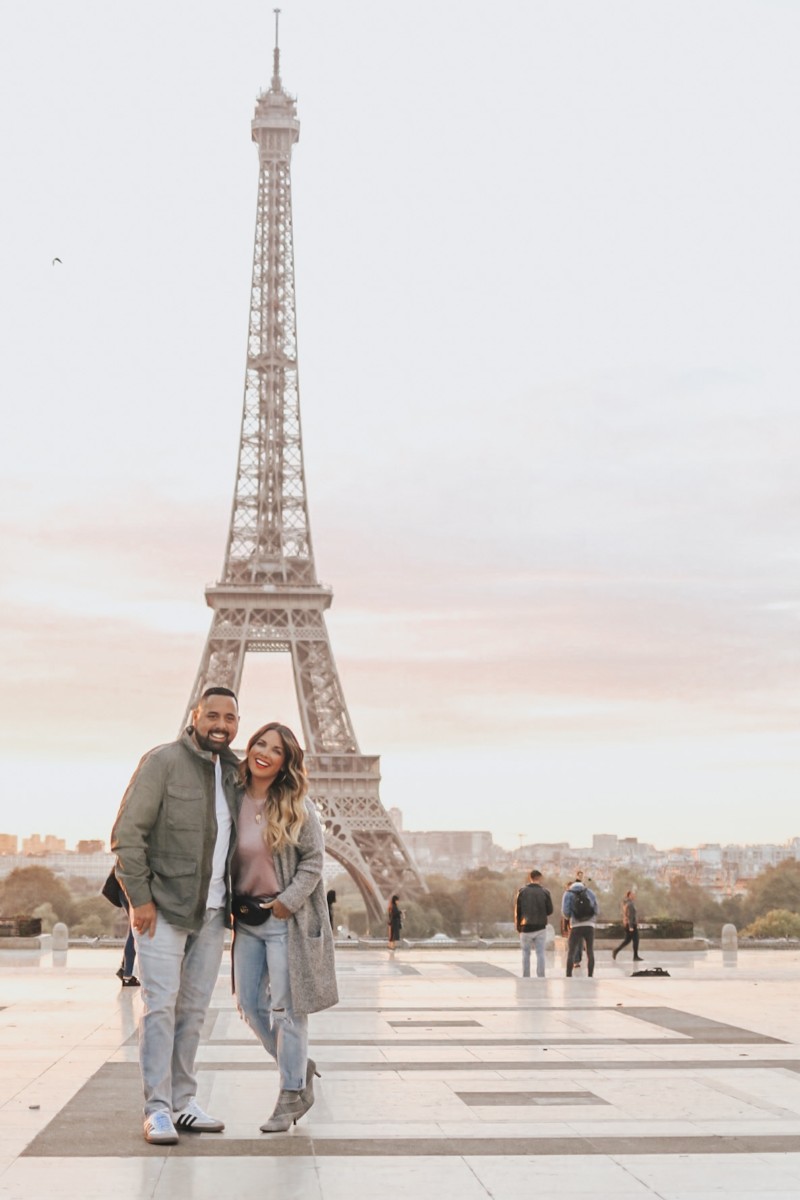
(192, 1119)
(159, 1130)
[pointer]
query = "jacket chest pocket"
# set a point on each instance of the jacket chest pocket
(184, 807)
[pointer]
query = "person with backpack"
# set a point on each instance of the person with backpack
(565, 920)
(532, 907)
(580, 907)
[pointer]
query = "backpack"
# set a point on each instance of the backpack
(582, 907)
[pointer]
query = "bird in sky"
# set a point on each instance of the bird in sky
(55, 260)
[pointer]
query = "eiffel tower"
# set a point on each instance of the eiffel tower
(269, 599)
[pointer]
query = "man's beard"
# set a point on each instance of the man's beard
(205, 743)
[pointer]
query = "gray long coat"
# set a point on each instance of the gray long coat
(312, 972)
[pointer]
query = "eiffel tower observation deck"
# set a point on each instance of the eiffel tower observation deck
(268, 599)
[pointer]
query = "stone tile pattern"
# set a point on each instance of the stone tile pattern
(451, 1078)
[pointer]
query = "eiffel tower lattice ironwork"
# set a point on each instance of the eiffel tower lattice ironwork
(269, 598)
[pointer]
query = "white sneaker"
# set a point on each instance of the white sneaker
(159, 1130)
(192, 1119)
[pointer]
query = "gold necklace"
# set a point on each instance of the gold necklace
(259, 816)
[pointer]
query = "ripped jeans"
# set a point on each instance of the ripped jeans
(263, 993)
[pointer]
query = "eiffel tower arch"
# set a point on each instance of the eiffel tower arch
(268, 599)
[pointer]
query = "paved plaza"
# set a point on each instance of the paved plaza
(445, 1076)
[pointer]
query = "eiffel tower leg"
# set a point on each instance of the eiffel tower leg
(359, 833)
(326, 721)
(223, 657)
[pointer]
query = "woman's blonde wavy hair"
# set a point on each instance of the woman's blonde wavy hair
(285, 810)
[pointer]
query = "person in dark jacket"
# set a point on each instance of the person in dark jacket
(631, 927)
(173, 838)
(394, 922)
(532, 907)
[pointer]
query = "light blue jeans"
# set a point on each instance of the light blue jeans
(264, 996)
(177, 971)
(539, 941)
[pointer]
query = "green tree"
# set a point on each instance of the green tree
(420, 920)
(450, 910)
(96, 910)
(47, 916)
(779, 923)
(488, 897)
(689, 902)
(92, 927)
(776, 888)
(28, 887)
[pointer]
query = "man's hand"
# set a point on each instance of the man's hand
(144, 918)
(281, 911)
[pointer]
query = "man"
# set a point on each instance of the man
(532, 907)
(173, 837)
(580, 907)
(565, 920)
(631, 926)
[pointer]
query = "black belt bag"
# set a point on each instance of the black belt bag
(252, 910)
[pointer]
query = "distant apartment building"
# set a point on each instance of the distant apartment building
(396, 817)
(450, 851)
(8, 843)
(90, 846)
(36, 845)
(93, 867)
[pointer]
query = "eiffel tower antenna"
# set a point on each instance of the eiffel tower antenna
(268, 599)
(276, 55)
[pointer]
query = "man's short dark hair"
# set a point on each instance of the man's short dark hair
(218, 691)
(535, 875)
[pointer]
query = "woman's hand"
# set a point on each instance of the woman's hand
(281, 911)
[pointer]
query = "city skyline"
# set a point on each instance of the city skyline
(594, 846)
(546, 310)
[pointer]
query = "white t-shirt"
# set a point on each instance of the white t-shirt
(217, 888)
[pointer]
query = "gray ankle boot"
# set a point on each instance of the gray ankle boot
(288, 1108)
(307, 1093)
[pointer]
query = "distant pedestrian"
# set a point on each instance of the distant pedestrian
(580, 907)
(394, 922)
(125, 972)
(631, 926)
(115, 895)
(330, 899)
(532, 907)
(565, 920)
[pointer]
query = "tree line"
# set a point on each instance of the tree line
(483, 899)
(476, 904)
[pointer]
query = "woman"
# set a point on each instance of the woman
(630, 926)
(125, 972)
(284, 965)
(394, 921)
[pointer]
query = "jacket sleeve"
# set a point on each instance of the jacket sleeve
(137, 815)
(566, 904)
(516, 911)
(548, 902)
(308, 872)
